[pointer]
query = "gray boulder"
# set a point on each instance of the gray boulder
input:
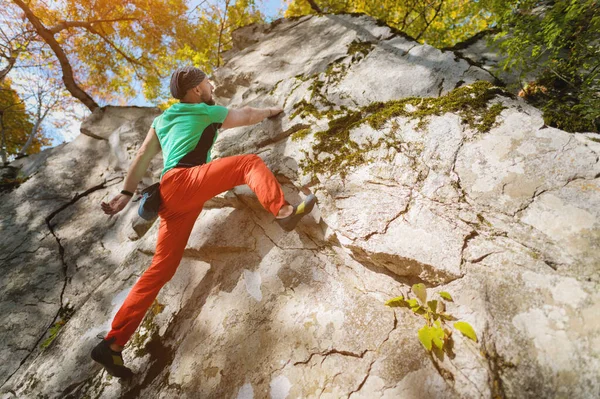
(505, 217)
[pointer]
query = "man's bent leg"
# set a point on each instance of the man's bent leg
(225, 173)
(173, 235)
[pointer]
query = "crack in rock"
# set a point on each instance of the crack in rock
(387, 225)
(333, 352)
(482, 257)
(362, 383)
(61, 252)
(466, 240)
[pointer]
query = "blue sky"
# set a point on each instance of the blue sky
(271, 8)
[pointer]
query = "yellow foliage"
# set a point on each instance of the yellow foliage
(440, 23)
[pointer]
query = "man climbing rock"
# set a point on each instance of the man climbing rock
(185, 133)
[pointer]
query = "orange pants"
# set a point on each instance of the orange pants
(183, 192)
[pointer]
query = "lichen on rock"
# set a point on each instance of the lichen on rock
(470, 102)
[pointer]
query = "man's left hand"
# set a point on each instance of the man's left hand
(116, 204)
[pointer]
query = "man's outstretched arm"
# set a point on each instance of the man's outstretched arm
(248, 116)
(150, 147)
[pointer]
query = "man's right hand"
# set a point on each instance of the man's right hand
(116, 204)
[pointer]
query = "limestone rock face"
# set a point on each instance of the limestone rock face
(506, 220)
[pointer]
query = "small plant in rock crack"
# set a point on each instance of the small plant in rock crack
(436, 333)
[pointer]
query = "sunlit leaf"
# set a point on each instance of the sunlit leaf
(437, 336)
(413, 303)
(396, 302)
(421, 292)
(466, 330)
(426, 337)
(446, 296)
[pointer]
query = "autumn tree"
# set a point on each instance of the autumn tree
(15, 122)
(102, 47)
(106, 52)
(440, 23)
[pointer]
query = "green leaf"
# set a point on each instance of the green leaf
(466, 330)
(419, 310)
(413, 303)
(396, 302)
(421, 292)
(446, 296)
(433, 305)
(437, 336)
(426, 337)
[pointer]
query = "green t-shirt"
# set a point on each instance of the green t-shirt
(186, 128)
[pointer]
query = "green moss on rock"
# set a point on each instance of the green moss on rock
(300, 134)
(304, 109)
(470, 102)
(275, 87)
(64, 315)
(334, 152)
(358, 47)
(147, 330)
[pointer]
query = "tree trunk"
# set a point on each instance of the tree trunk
(65, 65)
(34, 130)
(315, 7)
(222, 28)
(2, 141)
(11, 62)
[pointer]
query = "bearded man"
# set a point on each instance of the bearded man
(185, 133)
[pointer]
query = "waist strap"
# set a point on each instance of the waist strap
(199, 154)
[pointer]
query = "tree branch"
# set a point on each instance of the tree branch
(431, 20)
(223, 20)
(11, 63)
(65, 65)
(62, 25)
(314, 6)
(115, 47)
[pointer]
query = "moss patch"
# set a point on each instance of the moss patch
(275, 87)
(304, 109)
(300, 134)
(470, 102)
(64, 315)
(147, 330)
(360, 49)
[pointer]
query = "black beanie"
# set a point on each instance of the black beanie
(184, 79)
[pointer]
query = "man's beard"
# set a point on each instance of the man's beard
(210, 100)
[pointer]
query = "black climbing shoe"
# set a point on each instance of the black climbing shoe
(289, 223)
(112, 361)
